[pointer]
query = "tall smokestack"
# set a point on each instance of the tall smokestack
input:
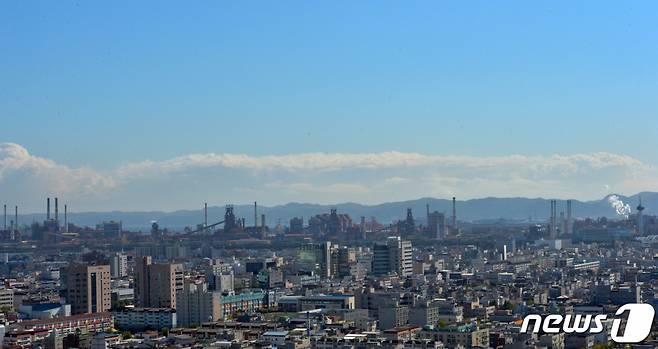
(205, 214)
(47, 208)
(569, 218)
(5, 216)
(550, 222)
(553, 232)
(66, 219)
(16, 216)
(555, 216)
(557, 225)
(454, 212)
(553, 220)
(56, 210)
(255, 214)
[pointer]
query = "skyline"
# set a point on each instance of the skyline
(328, 175)
(160, 106)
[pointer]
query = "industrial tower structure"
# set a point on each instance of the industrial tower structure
(640, 218)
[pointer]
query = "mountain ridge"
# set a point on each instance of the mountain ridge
(488, 208)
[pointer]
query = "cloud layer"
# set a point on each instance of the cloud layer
(189, 180)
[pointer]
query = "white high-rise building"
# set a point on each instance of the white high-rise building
(219, 272)
(320, 255)
(224, 282)
(119, 265)
(393, 256)
(196, 305)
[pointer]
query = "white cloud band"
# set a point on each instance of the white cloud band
(320, 177)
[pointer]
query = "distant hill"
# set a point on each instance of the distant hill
(467, 210)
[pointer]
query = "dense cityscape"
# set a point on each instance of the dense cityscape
(329, 281)
(217, 174)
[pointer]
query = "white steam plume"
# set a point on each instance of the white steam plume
(622, 209)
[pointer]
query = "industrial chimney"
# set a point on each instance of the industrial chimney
(255, 215)
(569, 218)
(47, 208)
(454, 213)
(553, 220)
(66, 219)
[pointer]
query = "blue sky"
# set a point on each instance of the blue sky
(100, 86)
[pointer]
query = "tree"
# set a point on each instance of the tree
(165, 331)
(127, 335)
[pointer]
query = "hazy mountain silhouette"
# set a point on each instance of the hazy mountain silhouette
(469, 210)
